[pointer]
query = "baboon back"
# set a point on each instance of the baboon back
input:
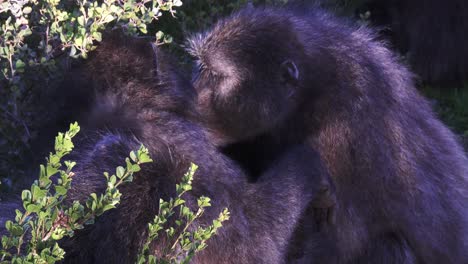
(400, 174)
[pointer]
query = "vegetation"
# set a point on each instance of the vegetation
(35, 234)
(36, 36)
(46, 218)
(184, 244)
(38, 39)
(452, 107)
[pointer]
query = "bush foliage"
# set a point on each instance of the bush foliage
(37, 37)
(183, 243)
(35, 234)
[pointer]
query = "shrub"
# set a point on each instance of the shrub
(35, 232)
(36, 37)
(183, 243)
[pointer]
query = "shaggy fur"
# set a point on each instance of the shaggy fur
(400, 174)
(136, 103)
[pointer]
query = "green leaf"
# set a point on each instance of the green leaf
(27, 10)
(217, 224)
(133, 156)
(203, 202)
(58, 234)
(14, 229)
(97, 36)
(26, 195)
(108, 207)
(72, 51)
(81, 20)
(142, 28)
(143, 155)
(74, 129)
(8, 225)
(136, 168)
(38, 193)
(108, 18)
(18, 216)
(60, 190)
(5, 242)
(178, 201)
(167, 39)
(129, 178)
(51, 170)
(120, 172)
(159, 35)
(78, 41)
(113, 180)
(19, 64)
(33, 208)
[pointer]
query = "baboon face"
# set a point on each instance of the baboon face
(245, 77)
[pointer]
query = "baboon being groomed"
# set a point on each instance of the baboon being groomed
(141, 100)
(268, 78)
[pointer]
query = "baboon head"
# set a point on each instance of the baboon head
(248, 74)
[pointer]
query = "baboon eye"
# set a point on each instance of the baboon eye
(289, 71)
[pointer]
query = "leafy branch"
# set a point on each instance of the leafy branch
(183, 242)
(47, 218)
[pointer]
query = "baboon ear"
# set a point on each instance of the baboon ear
(289, 72)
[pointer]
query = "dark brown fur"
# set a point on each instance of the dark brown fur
(135, 104)
(268, 78)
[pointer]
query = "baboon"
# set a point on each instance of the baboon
(271, 77)
(140, 100)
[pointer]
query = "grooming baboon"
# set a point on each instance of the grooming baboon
(272, 77)
(136, 103)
